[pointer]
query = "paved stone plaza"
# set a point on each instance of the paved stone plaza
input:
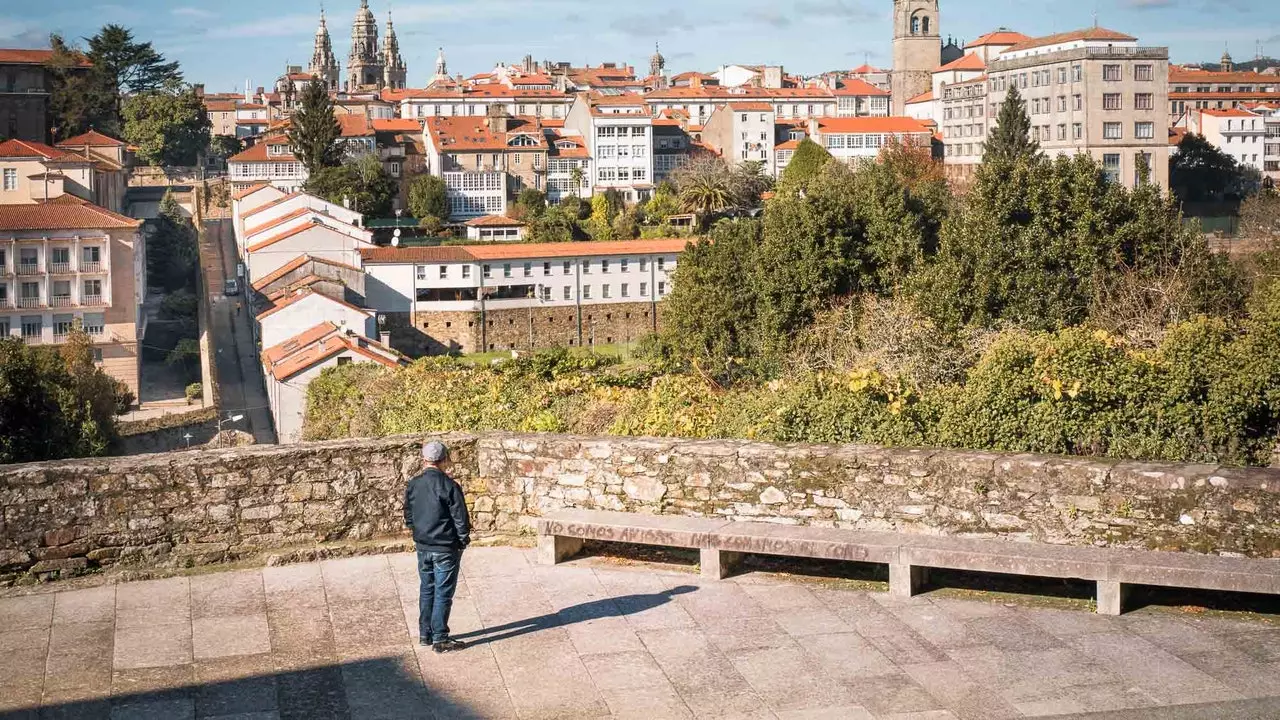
(591, 639)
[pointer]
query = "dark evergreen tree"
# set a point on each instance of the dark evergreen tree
(808, 160)
(81, 97)
(314, 131)
(1200, 172)
(1011, 138)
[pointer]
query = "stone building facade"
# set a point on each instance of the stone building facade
(917, 50)
(207, 506)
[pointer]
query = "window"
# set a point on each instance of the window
(644, 289)
(1111, 101)
(546, 293)
(487, 272)
(1144, 130)
(604, 291)
(568, 266)
(1141, 167)
(1062, 75)
(10, 179)
(62, 324)
(1112, 131)
(586, 292)
(1062, 103)
(1111, 166)
(604, 266)
(1077, 73)
(568, 292)
(1144, 101)
(506, 270)
(32, 327)
(662, 288)
(94, 323)
(625, 291)
(1142, 72)
(622, 264)
(644, 264)
(1062, 131)
(1112, 73)
(528, 269)
(1077, 131)
(546, 268)
(662, 262)
(92, 291)
(444, 271)
(586, 267)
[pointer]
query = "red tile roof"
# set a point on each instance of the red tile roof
(926, 96)
(750, 107)
(788, 145)
(999, 37)
(250, 190)
(1176, 135)
(1096, 34)
(866, 70)
(854, 86)
(398, 125)
(258, 153)
(294, 264)
(464, 133)
(29, 149)
(1193, 75)
(494, 221)
(1227, 112)
(972, 61)
(15, 56)
(71, 213)
(93, 138)
(465, 253)
(354, 126)
(717, 92)
(871, 125)
(300, 294)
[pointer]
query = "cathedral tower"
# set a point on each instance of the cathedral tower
(442, 68)
(394, 73)
(324, 64)
(364, 65)
(917, 49)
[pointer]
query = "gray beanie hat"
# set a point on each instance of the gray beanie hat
(434, 451)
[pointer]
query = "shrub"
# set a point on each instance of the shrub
(194, 392)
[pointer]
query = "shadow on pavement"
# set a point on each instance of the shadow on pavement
(594, 610)
(378, 687)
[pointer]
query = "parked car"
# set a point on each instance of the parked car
(231, 287)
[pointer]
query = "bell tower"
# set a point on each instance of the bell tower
(917, 49)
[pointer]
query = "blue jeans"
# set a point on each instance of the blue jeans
(438, 579)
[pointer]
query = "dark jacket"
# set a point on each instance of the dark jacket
(436, 512)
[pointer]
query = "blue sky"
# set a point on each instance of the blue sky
(224, 42)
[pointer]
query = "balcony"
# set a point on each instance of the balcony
(91, 267)
(59, 339)
(60, 268)
(29, 268)
(29, 302)
(60, 301)
(92, 300)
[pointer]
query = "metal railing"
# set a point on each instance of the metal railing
(33, 339)
(62, 268)
(60, 301)
(59, 339)
(28, 302)
(28, 268)
(92, 300)
(91, 267)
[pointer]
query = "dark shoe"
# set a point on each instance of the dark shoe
(424, 642)
(445, 646)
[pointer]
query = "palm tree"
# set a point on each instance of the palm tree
(575, 177)
(706, 193)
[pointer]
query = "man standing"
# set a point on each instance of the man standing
(436, 512)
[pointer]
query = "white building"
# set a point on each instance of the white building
(260, 215)
(699, 101)
(618, 132)
(476, 100)
(743, 132)
(857, 98)
(855, 139)
(271, 161)
(290, 366)
(565, 153)
(1236, 132)
(296, 311)
(318, 239)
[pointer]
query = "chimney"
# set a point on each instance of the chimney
(384, 337)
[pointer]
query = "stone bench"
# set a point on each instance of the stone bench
(721, 545)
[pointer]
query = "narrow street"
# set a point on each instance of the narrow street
(240, 383)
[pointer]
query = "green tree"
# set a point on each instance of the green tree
(56, 403)
(808, 159)
(1010, 139)
(1038, 241)
(225, 146)
(575, 178)
(709, 317)
(664, 203)
(748, 182)
(169, 128)
(531, 203)
(428, 197)
(133, 67)
(557, 224)
(362, 182)
(1200, 172)
(314, 130)
(600, 224)
(172, 250)
(80, 98)
(705, 186)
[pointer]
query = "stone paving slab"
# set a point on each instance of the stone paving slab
(337, 640)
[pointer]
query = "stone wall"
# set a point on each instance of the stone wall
(215, 505)
(434, 333)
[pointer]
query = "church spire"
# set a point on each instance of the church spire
(393, 68)
(324, 65)
(442, 67)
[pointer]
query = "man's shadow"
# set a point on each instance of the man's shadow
(594, 610)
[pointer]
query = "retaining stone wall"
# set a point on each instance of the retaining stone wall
(214, 505)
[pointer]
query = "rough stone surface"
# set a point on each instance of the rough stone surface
(590, 639)
(206, 506)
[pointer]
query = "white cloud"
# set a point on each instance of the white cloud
(192, 12)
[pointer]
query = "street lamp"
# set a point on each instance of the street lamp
(228, 419)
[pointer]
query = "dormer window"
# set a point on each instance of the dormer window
(277, 150)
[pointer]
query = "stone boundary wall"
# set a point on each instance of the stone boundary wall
(204, 506)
